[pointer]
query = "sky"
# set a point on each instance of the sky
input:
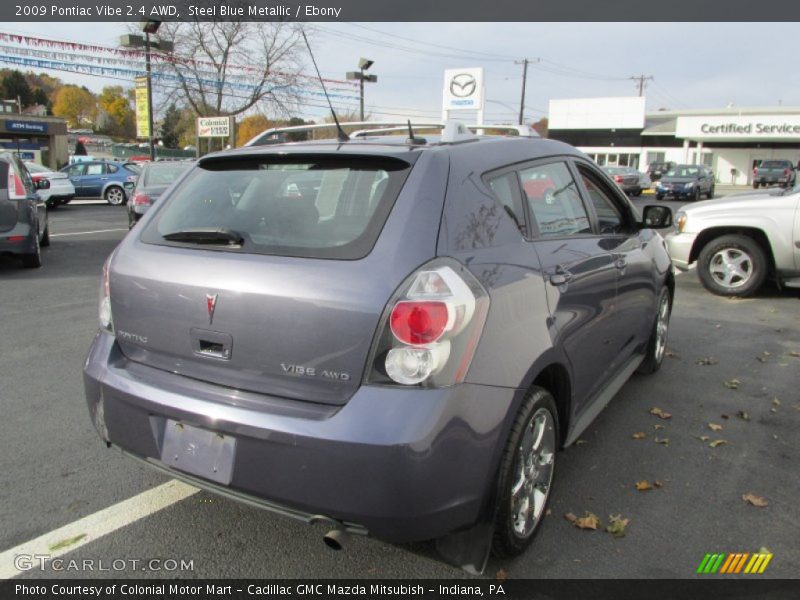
(693, 65)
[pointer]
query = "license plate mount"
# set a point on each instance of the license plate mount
(197, 451)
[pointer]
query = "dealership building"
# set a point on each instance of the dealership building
(732, 141)
(37, 138)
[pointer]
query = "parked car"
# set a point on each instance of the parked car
(111, 180)
(688, 182)
(628, 179)
(61, 190)
(657, 169)
(775, 172)
(153, 180)
(23, 214)
(390, 336)
(737, 242)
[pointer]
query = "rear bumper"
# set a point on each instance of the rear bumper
(25, 246)
(405, 464)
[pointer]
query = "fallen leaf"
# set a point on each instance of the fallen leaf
(580, 442)
(501, 575)
(657, 427)
(714, 427)
(725, 416)
(660, 413)
(643, 485)
(732, 384)
(764, 550)
(617, 525)
(639, 435)
(773, 410)
(663, 441)
(776, 402)
(743, 415)
(707, 361)
(67, 542)
(548, 512)
(794, 353)
(671, 354)
(765, 353)
(717, 325)
(703, 438)
(589, 521)
(762, 359)
(571, 517)
(658, 483)
(758, 501)
(716, 443)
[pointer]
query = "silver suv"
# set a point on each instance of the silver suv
(390, 335)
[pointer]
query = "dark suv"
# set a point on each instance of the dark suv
(23, 214)
(392, 336)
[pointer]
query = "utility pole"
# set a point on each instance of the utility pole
(524, 62)
(641, 79)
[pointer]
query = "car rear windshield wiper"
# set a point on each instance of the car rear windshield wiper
(206, 235)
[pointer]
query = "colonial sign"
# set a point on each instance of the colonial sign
(213, 127)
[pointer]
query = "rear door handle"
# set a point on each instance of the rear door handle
(561, 276)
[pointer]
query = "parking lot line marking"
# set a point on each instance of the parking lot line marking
(92, 527)
(86, 232)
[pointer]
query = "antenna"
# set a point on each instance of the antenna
(342, 136)
(411, 138)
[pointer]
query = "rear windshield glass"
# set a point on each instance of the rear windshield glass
(775, 164)
(318, 207)
(163, 174)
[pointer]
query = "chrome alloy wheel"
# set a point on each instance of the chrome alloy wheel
(533, 472)
(731, 267)
(662, 328)
(115, 196)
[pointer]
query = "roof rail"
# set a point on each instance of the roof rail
(276, 135)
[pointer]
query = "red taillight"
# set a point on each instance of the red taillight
(16, 238)
(16, 190)
(618, 178)
(419, 322)
(140, 199)
(37, 178)
(786, 172)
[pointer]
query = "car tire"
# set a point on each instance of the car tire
(34, 259)
(46, 237)
(711, 192)
(67, 200)
(638, 192)
(657, 344)
(526, 474)
(732, 265)
(696, 194)
(659, 196)
(755, 185)
(114, 195)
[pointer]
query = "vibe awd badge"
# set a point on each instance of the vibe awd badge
(314, 372)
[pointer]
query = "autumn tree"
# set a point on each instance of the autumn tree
(228, 68)
(251, 126)
(75, 104)
(113, 100)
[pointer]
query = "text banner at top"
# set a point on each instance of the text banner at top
(408, 10)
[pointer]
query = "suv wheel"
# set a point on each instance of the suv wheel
(711, 192)
(46, 237)
(732, 265)
(755, 185)
(696, 194)
(526, 474)
(658, 338)
(33, 260)
(115, 195)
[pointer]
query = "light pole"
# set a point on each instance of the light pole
(363, 65)
(137, 41)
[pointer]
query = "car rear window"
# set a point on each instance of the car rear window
(317, 207)
(163, 174)
(775, 164)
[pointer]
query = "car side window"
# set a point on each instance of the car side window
(112, 168)
(554, 201)
(503, 187)
(95, 169)
(609, 216)
(76, 170)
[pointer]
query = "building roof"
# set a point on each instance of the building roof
(725, 111)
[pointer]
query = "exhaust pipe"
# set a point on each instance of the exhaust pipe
(335, 539)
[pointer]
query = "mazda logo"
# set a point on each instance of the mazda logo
(462, 85)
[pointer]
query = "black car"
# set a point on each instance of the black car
(153, 180)
(656, 170)
(23, 214)
(686, 182)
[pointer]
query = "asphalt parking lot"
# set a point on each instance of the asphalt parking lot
(731, 363)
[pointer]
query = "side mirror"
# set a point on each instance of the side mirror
(656, 216)
(43, 184)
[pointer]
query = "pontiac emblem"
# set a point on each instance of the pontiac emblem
(211, 305)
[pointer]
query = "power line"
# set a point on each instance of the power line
(641, 79)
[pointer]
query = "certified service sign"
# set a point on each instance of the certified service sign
(463, 89)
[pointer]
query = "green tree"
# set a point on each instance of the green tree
(16, 86)
(170, 127)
